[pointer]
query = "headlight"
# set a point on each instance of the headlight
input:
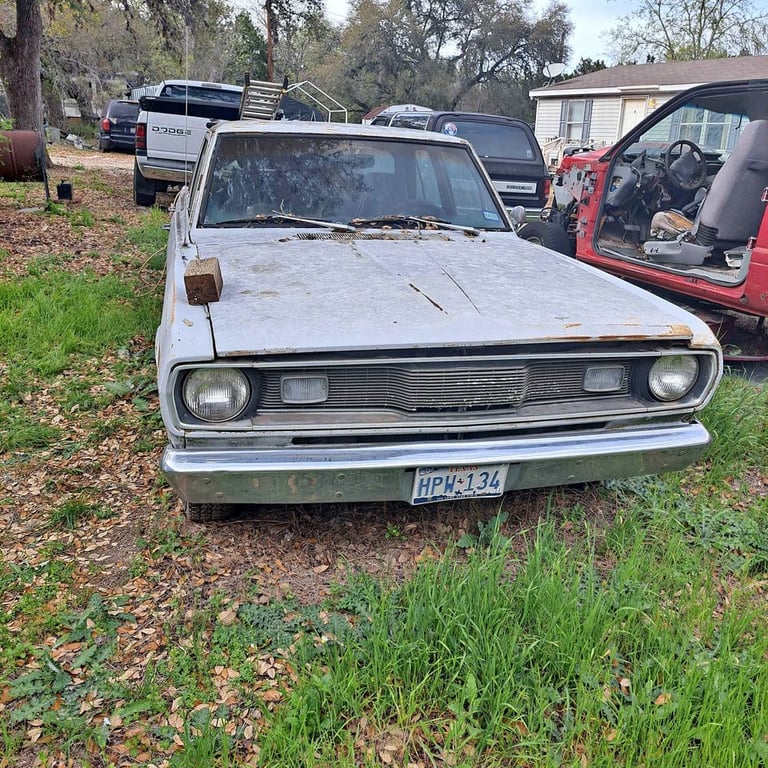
(216, 394)
(672, 377)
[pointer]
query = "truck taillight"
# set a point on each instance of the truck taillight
(141, 135)
(547, 186)
(105, 125)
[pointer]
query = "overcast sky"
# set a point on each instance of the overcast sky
(590, 19)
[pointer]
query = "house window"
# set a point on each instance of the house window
(575, 118)
(705, 128)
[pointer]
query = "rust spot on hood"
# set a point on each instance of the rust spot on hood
(431, 301)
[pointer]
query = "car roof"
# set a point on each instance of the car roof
(481, 115)
(312, 128)
(204, 84)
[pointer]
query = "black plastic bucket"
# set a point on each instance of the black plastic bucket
(64, 190)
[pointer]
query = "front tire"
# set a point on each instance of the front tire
(144, 192)
(207, 513)
(549, 235)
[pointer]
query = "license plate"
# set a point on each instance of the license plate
(521, 187)
(460, 482)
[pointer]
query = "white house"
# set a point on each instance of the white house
(598, 108)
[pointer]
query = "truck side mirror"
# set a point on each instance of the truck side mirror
(517, 214)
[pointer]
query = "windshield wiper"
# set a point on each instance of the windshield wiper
(275, 218)
(402, 220)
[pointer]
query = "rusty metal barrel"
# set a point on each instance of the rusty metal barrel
(21, 156)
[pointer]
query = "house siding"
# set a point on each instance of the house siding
(606, 115)
(605, 125)
(547, 120)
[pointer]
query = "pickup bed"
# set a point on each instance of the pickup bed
(170, 130)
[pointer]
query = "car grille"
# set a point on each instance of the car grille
(422, 388)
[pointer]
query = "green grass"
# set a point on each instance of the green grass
(540, 661)
(45, 320)
(57, 321)
(151, 238)
(637, 637)
(639, 642)
(21, 430)
(72, 512)
(16, 191)
(636, 644)
(80, 217)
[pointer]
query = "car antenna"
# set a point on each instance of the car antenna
(186, 102)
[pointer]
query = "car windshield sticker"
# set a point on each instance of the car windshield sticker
(450, 129)
(490, 216)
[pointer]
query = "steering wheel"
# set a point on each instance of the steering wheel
(696, 175)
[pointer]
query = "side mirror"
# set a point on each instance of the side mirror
(517, 214)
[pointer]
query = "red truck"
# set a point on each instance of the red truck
(679, 206)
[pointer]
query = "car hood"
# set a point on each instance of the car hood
(329, 292)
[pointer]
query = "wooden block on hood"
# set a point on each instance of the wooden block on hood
(202, 280)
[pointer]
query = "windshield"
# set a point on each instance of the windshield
(124, 110)
(342, 179)
(713, 124)
(200, 93)
(493, 140)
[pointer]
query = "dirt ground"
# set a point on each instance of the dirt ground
(297, 550)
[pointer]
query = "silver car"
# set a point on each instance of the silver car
(349, 316)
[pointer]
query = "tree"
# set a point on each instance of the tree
(20, 66)
(445, 53)
(250, 50)
(679, 30)
(95, 56)
(587, 65)
(21, 41)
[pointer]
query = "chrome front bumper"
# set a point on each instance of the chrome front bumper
(386, 472)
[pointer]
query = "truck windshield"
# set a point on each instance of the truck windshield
(200, 93)
(343, 179)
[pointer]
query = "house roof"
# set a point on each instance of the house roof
(667, 76)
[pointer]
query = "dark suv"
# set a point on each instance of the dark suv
(506, 145)
(118, 126)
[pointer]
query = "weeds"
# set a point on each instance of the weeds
(74, 511)
(44, 322)
(637, 638)
(737, 419)
(467, 665)
(151, 237)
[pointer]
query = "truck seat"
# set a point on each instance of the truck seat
(732, 210)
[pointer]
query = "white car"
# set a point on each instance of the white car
(349, 316)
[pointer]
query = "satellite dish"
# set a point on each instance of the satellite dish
(553, 70)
